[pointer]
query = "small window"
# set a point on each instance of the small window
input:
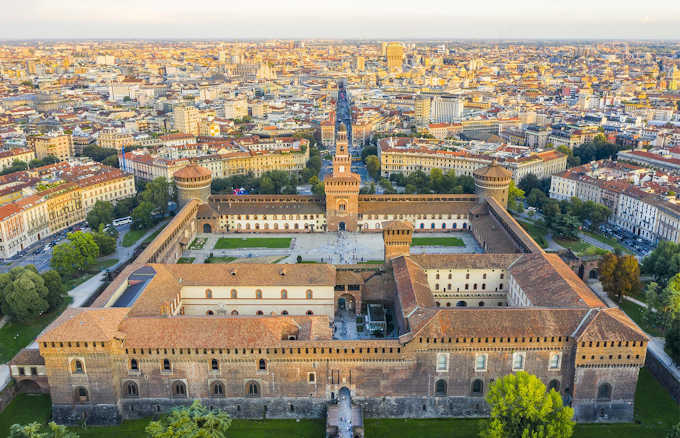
(22, 371)
(262, 365)
(166, 365)
(234, 294)
(131, 389)
(208, 293)
(218, 389)
(81, 395)
(477, 387)
(252, 389)
(480, 362)
(309, 294)
(554, 361)
(284, 294)
(604, 392)
(179, 389)
(310, 313)
(311, 377)
(77, 367)
(258, 294)
(133, 365)
(214, 365)
(518, 361)
(442, 362)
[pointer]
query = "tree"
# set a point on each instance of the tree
(669, 301)
(565, 226)
(651, 315)
(105, 242)
(515, 197)
(157, 192)
(675, 431)
(663, 262)
(373, 166)
(56, 292)
(267, 186)
(529, 182)
(141, 215)
(551, 209)
(318, 189)
(24, 294)
(522, 408)
(34, 430)
(86, 246)
(124, 207)
(673, 341)
(66, 259)
(111, 160)
(101, 213)
(619, 275)
(368, 151)
(536, 198)
(195, 421)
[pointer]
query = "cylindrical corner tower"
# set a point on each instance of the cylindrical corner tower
(493, 181)
(193, 182)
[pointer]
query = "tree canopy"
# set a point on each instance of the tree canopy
(522, 408)
(35, 430)
(25, 294)
(101, 213)
(195, 421)
(664, 262)
(619, 275)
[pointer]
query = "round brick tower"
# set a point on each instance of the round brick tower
(493, 181)
(193, 182)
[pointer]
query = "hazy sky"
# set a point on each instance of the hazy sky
(626, 19)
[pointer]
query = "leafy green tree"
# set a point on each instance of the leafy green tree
(141, 215)
(368, 151)
(101, 213)
(24, 294)
(536, 198)
(663, 262)
(105, 242)
(373, 166)
(195, 421)
(565, 226)
(85, 244)
(124, 207)
(515, 197)
(551, 209)
(318, 189)
(111, 160)
(34, 430)
(675, 431)
(651, 315)
(56, 291)
(157, 192)
(673, 341)
(66, 259)
(670, 301)
(267, 186)
(522, 408)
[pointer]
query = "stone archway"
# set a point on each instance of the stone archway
(29, 386)
(207, 228)
(341, 226)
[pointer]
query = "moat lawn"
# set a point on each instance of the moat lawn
(655, 414)
(437, 241)
(252, 242)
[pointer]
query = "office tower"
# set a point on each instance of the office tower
(422, 111)
(395, 56)
(446, 109)
(186, 119)
(360, 63)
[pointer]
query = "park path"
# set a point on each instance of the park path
(82, 293)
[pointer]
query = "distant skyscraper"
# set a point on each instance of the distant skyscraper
(422, 110)
(186, 119)
(446, 110)
(360, 63)
(395, 56)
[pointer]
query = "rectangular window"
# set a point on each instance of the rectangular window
(554, 361)
(480, 362)
(442, 362)
(517, 361)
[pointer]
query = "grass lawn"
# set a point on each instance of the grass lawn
(253, 242)
(636, 313)
(223, 259)
(98, 267)
(580, 247)
(437, 241)
(15, 335)
(372, 262)
(655, 411)
(607, 240)
(132, 236)
(185, 260)
(537, 232)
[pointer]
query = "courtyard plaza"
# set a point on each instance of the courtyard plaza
(340, 247)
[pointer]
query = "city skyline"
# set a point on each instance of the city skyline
(303, 19)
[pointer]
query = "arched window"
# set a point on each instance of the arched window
(133, 365)
(252, 389)
(481, 304)
(166, 365)
(234, 312)
(77, 367)
(214, 365)
(440, 387)
(258, 294)
(284, 294)
(477, 387)
(217, 389)
(131, 389)
(208, 293)
(310, 313)
(259, 313)
(604, 392)
(210, 313)
(81, 395)
(179, 389)
(285, 312)
(554, 384)
(309, 294)
(234, 294)
(461, 304)
(262, 365)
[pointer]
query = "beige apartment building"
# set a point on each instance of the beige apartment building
(112, 139)
(61, 146)
(7, 158)
(187, 119)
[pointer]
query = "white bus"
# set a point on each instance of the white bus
(122, 221)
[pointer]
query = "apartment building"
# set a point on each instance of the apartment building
(113, 139)
(8, 157)
(59, 145)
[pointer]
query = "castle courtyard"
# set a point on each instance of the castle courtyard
(332, 247)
